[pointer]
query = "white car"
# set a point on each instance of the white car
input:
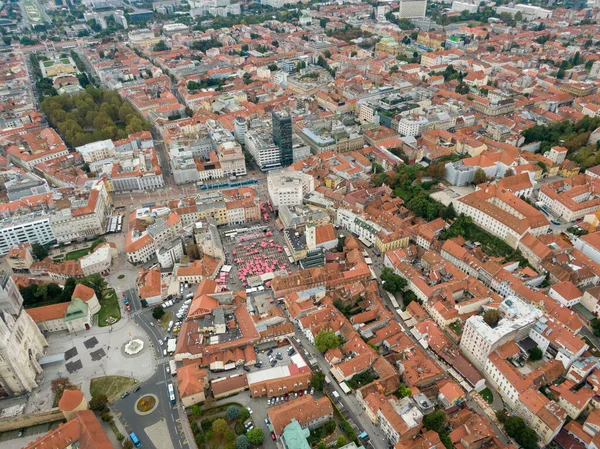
(160, 342)
(249, 410)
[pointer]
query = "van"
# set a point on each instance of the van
(188, 300)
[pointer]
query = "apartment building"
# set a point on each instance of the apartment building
(479, 339)
(572, 198)
(502, 213)
(309, 412)
(85, 217)
(20, 229)
(32, 148)
(288, 188)
(412, 9)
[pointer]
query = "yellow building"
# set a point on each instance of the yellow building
(388, 45)
(388, 242)
(52, 68)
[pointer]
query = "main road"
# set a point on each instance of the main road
(173, 416)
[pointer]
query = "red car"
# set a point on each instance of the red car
(300, 393)
(273, 437)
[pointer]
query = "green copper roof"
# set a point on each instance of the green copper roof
(77, 309)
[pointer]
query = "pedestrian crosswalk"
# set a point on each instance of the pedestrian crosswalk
(162, 360)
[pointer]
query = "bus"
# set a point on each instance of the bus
(171, 393)
(345, 387)
(134, 439)
(393, 300)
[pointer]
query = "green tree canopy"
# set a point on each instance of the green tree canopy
(256, 436)
(243, 442)
(317, 380)
(220, 426)
(535, 354)
(491, 317)
(326, 340)
(435, 421)
(40, 252)
(392, 282)
(158, 312)
(232, 412)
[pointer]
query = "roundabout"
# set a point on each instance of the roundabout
(146, 404)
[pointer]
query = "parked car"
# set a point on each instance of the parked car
(124, 395)
(249, 410)
(137, 389)
(21, 433)
(273, 437)
(246, 369)
(160, 342)
(267, 421)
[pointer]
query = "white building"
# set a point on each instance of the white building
(480, 339)
(464, 6)
(32, 228)
(170, 253)
(21, 343)
(85, 218)
(364, 228)
(263, 150)
(289, 188)
(96, 151)
(412, 9)
(97, 261)
(411, 126)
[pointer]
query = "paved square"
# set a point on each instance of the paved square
(97, 355)
(70, 353)
(90, 342)
(74, 366)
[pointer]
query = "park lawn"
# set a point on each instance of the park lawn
(487, 395)
(166, 318)
(112, 386)
(78, 254)
(109, 307)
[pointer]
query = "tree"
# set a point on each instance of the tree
(232, 413)
(341, 441)
(340, 244)
(58, 387)
(256, 436)
(491, 317)
(244, 414)
(326, 340)
(98, 402)
(317, 380)
(322, 445)
(160, 46)
(535, 354)
(229, 436)
(128, 444)
(95, 282)
(435, 421)
(242, 442)
(595, 323)
(391, 281)
(525, 436)
(480, 177)
(273, 67)
(404, 391)
(158, 312)
(220, 426)
(192, 251)
(40, 252)
(437, 170)
(97, 242)
(560, 74)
